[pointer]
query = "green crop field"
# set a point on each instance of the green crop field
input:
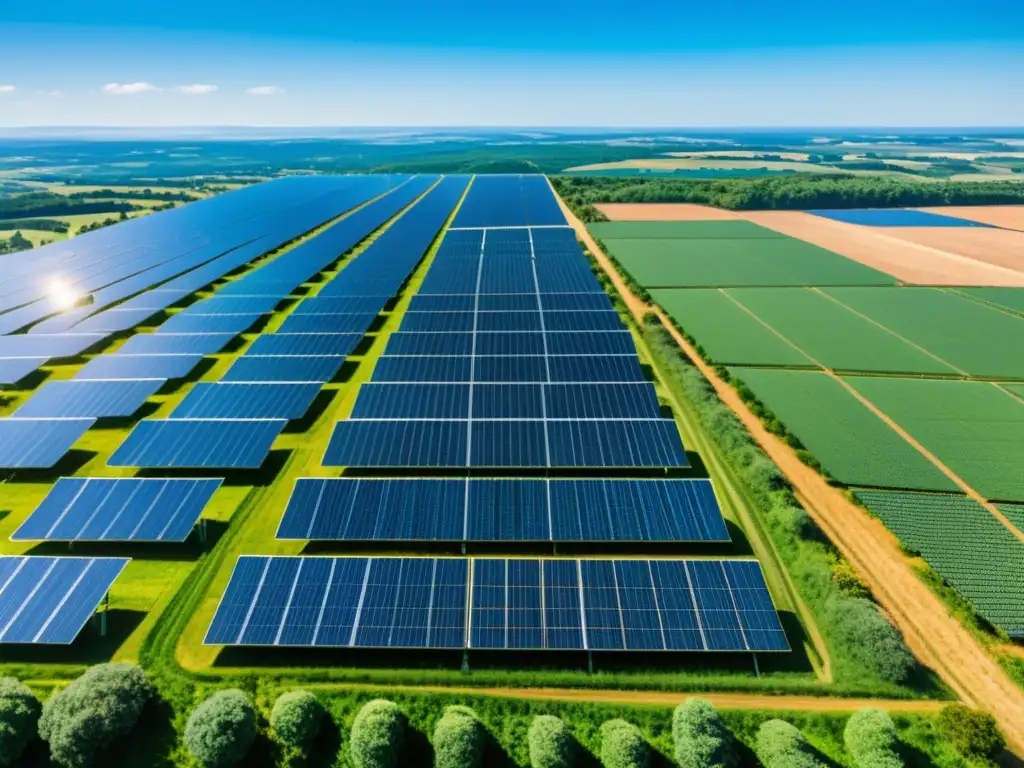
(723, 262)
(833, 335)
(975, 428)
(979, 340)
(1008, 298)
(972, 550)
(683, 230)
(726, 332)
(852, 444)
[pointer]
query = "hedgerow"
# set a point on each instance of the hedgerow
(623, 746)
(699, 736)
(781, 745)
(459, 739)
(551, 743)
(871, 740)
(377, 735)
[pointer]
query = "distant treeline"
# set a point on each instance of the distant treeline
(136, 194)
(39, 225)
(13, 244)
(43, 204)
(783, 192)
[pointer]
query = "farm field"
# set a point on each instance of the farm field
(664, 212)
(999, 247)
(1008, 298)
(682, 230)
(972, 337)
(1008, 216)
(853, 445)
(974, 428)
(34, 236)
(969, 548)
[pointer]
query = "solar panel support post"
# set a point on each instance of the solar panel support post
(757, 669)
(590, 662)
(103, 614)
(465, 662)
(202, 531)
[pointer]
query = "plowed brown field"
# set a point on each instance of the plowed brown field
(999, 247)
(1009, 216)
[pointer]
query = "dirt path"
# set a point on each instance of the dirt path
(664, 698)
(932, 634)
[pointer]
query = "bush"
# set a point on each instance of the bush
(551, 743)
(970, 732)
(100, 706)
(220, 731)
(700, 737)
(296, 718)
(19, 718)
(871, 740)
(623, 746)
(781, 745)
(870, 637)
(459, 739)
(378, 733)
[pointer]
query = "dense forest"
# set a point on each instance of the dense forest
(46, 204)
(782, 192)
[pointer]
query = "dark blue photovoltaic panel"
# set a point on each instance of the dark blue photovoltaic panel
(509, 302)
(638, 443)
(234, 305)
(349, 323)
(563, 617)
(438, 321)
(507, 510)
(190, 323)
(412, 401)
(582, 321)
(590, 343)
(191, 444)
(425, 302)
(507, 444)
(676, 608)
(304, 345)
(176, 344)
(508, 401)
(340, 305)
(566, 276)
(47, 345)
(512, 274)
(602, 616)
(397, 444)
(294, 369)
(118, 366)
(431, 344)
(638, 605)
(224, 400)
(118, 509)
(509, 343)
(38, 443)
(490, 597)
(14, 369)
(573, 302)
(509, 369)
(760, 622)
(88, 399)
(595, 368)
(48, 600)
(508, 321)
(716, 610)
(509, 201)
(338, 509)
(413, 368)
(601, 401)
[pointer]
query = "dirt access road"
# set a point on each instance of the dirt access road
(932, 634)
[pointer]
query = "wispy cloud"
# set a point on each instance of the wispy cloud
(7, 89)
(196, 89)
(128, 89)
(52, 94)
(264, 90)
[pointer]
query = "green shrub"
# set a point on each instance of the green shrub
(970, 732)
(551, 743)
(19, 718)
(871, 740)
(623, 746)
(781, 745)
(700, 737)
(459, 739)
(377, 736)
(296, 718)
(870, 637)
(220, 731)
(89, 714)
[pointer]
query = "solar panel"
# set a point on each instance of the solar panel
(595, 368)
(118, 509)
(575, 301)
(508, 444)
(508, 401)
(505, 344)
(422, 369)
(430, 344)
(582, 321)
(176, 344)
(191, 323)
(411, 401)
(38, 443)
(14, 369)
(119, 366)
(508, 322)
(234, 305)
(329, 305)
(397, 444)
(520, 368)
(441, 303)
(197, 443)
(282, 368)
(48, 600)
(348, 323)
(590, 343)
(88, 399)
(114, 319)
(225, 400)
(508, 302)
(49, 345)
(601, 401)
(626, 443)
(438, 321)
(304, 345)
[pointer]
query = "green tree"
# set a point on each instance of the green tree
(871, 740)
(19, 718)
(700, 737)
(296, 719)
(972, 733)
(781, 745)
(551, 743)
(459, 739)
(220, 731)
(623, 746)
(377, 736)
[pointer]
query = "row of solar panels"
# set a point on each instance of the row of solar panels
(498, 604)
(509, 201)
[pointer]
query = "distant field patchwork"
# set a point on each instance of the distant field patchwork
(1007, 298)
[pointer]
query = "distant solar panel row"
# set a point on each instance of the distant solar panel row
(511, 369)
(505, 321)
(498, 604)
(508, 510)
(48, 600)
(451, 443)
(118, 509)
(615, 342)
(509, 201)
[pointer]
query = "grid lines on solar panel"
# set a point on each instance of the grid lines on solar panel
(48, 600)
(88, 399)
(226, 400)
(283, 369)
(198, 443)
(38, 443)
(118, 509)
(118, 366)
(183, 323)
(176, 344)
(304, 345)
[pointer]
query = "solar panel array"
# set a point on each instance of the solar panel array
(506, 510)
(499, 604)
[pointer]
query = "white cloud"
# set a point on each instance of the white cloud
(52, 94)
(7, 89)
(196, 89)
(264, 90)
(129, 89)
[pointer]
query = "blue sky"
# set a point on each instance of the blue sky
(529, 62)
